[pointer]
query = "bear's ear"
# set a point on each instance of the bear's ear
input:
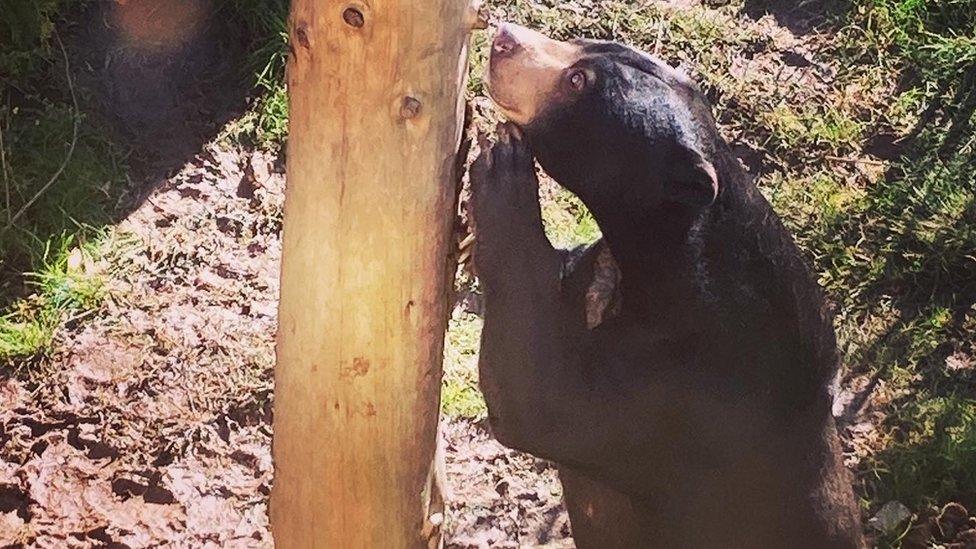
(693, 181)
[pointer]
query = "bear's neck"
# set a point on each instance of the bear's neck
(656, 251)
(661, 249)
(676, 261)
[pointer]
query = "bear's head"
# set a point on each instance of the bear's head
(614, 125)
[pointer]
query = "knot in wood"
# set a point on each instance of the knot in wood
(353, 17)
(301, 35)
(411, 107)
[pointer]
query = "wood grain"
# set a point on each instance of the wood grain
(376, 122)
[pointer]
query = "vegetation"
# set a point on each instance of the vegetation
(460, 396)
(858, 122)
(64, 170)
(60, 174)
(266, 122)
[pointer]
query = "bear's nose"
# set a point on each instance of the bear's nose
(505, 42)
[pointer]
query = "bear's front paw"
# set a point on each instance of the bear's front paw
(505, 197)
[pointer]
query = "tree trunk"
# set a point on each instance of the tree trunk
(376, 124)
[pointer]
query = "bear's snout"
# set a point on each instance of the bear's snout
(505, 42)
(524, 69)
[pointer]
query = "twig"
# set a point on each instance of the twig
(467, 242)
(3, 171)
(660, 34)
(71, 149)
(854, 160)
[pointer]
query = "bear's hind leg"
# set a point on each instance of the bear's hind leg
(600, 517)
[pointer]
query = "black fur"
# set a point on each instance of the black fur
(704, 402)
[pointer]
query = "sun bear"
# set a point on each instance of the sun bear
(698, 415)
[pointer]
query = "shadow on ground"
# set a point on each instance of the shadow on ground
(133, 96)
(165, 95)
(166, 91)
(800, 16)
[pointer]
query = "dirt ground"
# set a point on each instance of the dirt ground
(153, 423)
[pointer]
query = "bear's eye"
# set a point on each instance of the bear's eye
(577, 79)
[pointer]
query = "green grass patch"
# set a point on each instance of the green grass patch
(50, 200)
(932, 457)
(567, 221)
(265, 123)
(460, 397)
(895, 250)
(67, 285)
(24, 29)
(60, 179)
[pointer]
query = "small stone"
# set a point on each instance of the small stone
(75, 260)
(891, 515)
(960, 361)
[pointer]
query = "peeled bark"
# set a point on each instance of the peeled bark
(375, 128)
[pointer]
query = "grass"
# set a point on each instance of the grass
(934, 460)
(567, 222)
(897, 256)
(65, 287)
(265, 124)
(460, 397)
(61, 176)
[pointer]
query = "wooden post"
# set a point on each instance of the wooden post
(376, 122)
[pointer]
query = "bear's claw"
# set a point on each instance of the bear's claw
(505, 196)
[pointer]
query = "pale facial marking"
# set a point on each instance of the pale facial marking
(525, 69)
